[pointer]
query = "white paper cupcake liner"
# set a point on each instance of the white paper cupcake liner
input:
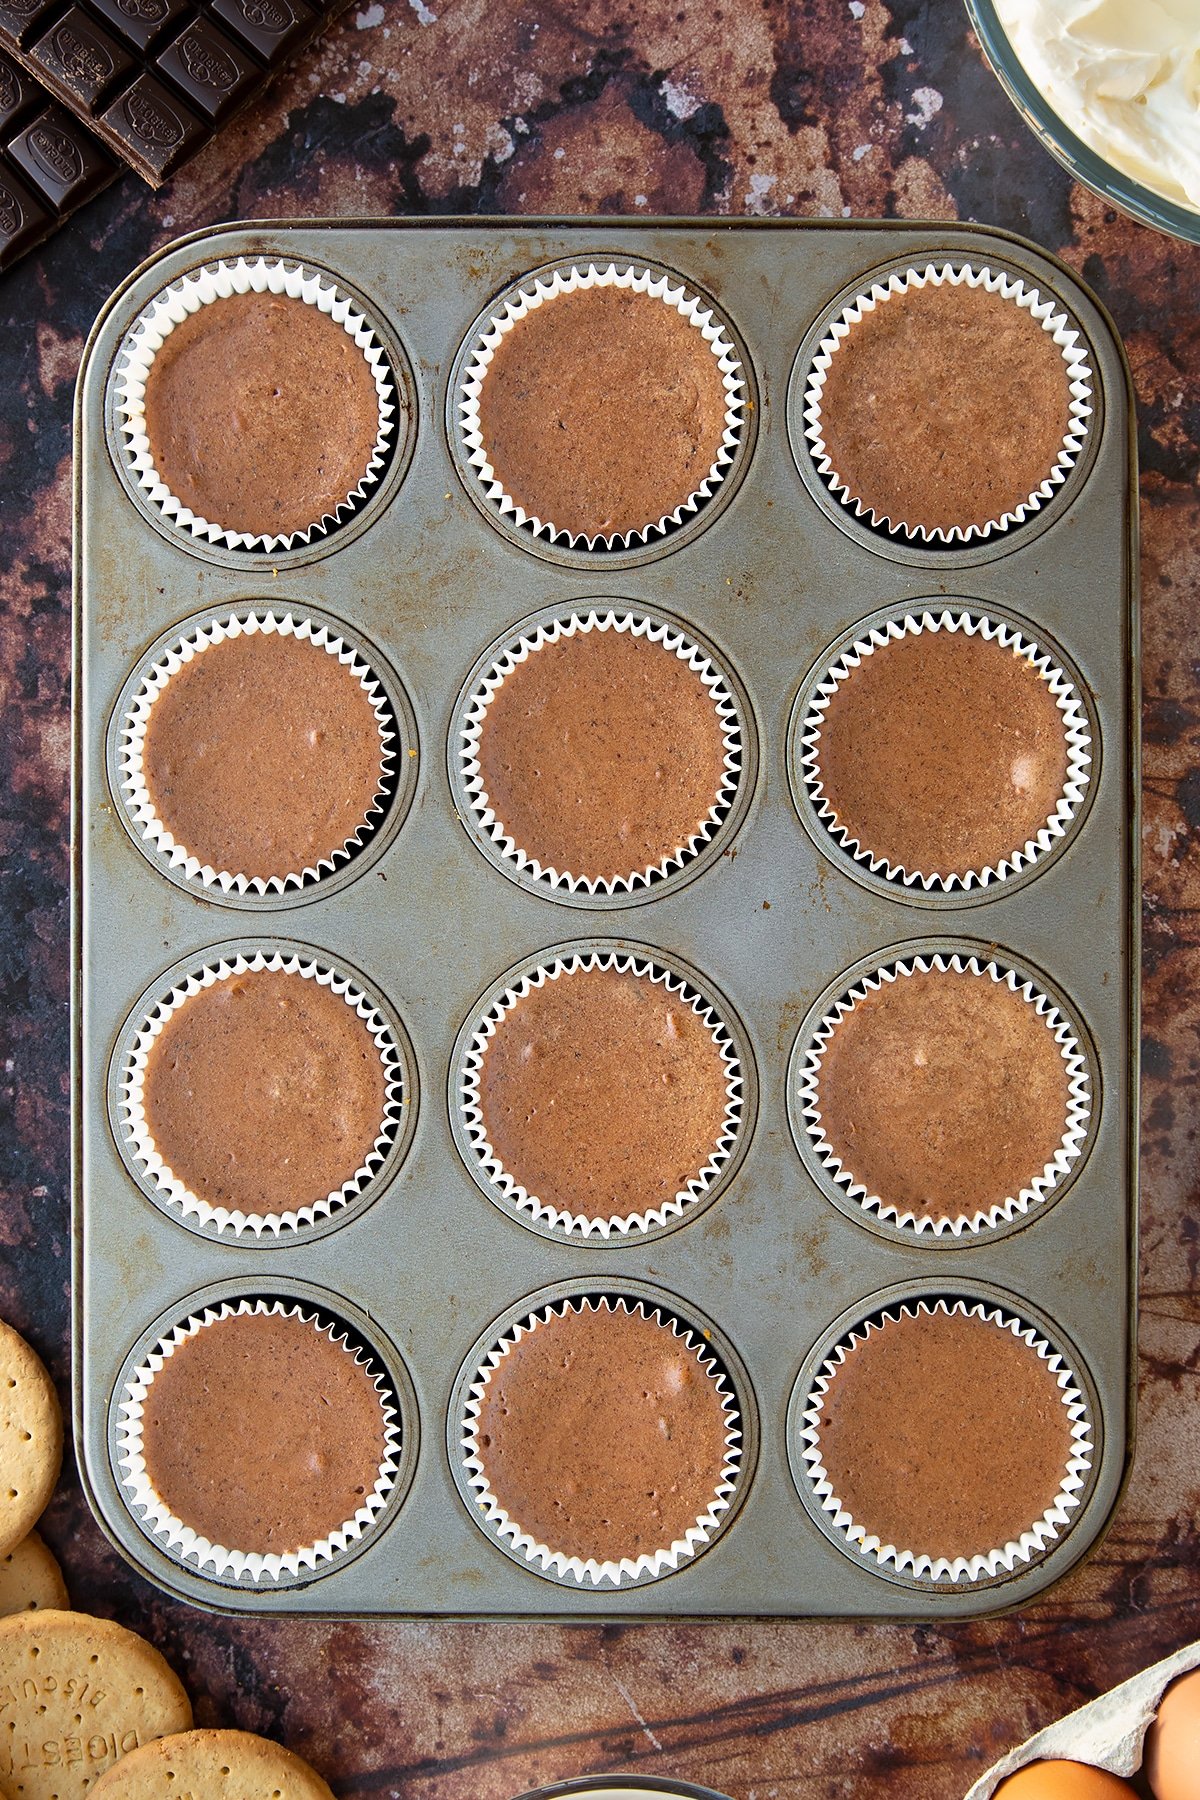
(527, 299)
(1075, 1124)
(141, 1148)
(179, 1538)
(1076, 733)
(466, 751)
(187, 295)
(587, 1571)
(583, 1224)
(1050, 315)
(134, 724)
(1004, 1559)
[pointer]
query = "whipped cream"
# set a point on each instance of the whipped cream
(1124, 76)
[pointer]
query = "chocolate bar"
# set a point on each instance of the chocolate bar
(89, 85)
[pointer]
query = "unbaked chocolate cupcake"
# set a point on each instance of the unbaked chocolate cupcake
(256, 405)
(600, 752)
(947, 404)
(945, 1094)
(945, 750)
(947, 1440)
(602, 1094)
(602, 1441)
(257, 1439)
(601, 407)
(262, 1092)
(258, 753)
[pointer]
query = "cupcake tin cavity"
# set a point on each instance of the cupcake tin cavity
(768, 920)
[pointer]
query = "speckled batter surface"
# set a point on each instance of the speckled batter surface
(945, 1435)
(262, 1433)
(602, 754)
(944, 1094)
(602, 1434)
(263, 755)
(943, 753)
(945, 406)
(782, 109)
(262, 413)
(602, 411)
(603, 1093)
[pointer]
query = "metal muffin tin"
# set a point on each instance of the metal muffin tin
(773, 578)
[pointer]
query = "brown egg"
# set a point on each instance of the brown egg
(1172, 1762)
(1063, 1781)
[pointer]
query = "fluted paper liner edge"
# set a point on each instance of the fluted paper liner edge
(1076, 733)
(1076, 1122)
(135, 795)
(1052, 317)
(672, 291)
(584, 1225)
(1003, 1559)
(543, 1558)
(471, 716)
(188, 1545)
(201, 287)
(141, 1146)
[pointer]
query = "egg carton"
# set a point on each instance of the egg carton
(1108, 1733)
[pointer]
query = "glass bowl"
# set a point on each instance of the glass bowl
(1084, 164)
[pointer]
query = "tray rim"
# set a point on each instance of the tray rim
(938, 230)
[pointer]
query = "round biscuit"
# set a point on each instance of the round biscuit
(76, 1694)
(30, 1579)
(212, 1765)
(31, 1438)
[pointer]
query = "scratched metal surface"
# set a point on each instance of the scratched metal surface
(882, 110)
(771, 1264)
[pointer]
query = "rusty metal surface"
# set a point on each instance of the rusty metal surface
(798, 109)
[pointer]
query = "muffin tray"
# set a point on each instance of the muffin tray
(772, 918)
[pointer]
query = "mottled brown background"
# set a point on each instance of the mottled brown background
(831, 107)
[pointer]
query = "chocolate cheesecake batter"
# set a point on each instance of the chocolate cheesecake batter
(602, 1436)
(262, 755)
(945, 1436)
(943, 753)
(262, 1434)
(602, 411)
(602, 754)
(602, 1093)
(264, 1092)
(945, 406)
(943, 1094)
(262, 413)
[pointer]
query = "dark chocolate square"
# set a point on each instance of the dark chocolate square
(139, 23)
(271, 28)
(21, 20)
(62, 159)
(209, 70)
(157, 130)
(23, 218)
(85, 58)
(20, 94)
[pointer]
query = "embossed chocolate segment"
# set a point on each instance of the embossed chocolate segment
(209, 69)
(21, 20)
(62, 159)
(156, 131)
(19, 94)
(140, 23)
(23, 218)
(82, 57)
(271, 28)
(151, 79)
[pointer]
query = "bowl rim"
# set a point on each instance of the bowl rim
(1085, 165)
